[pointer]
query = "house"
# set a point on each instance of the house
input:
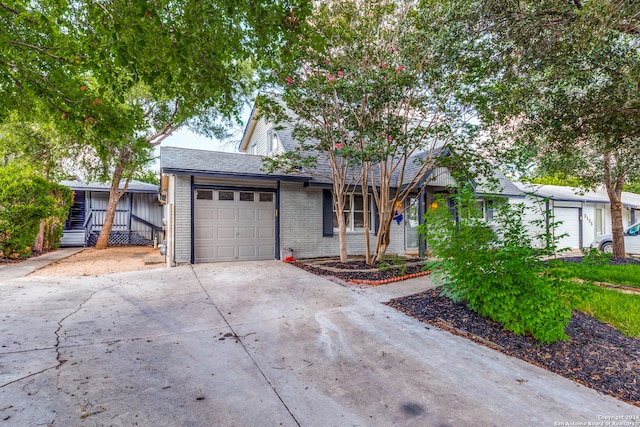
(138, 218)
(581, 216)
(223, 207)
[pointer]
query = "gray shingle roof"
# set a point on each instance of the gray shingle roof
(186, 160)
(134, 186)
(573, 194)
(505, 186)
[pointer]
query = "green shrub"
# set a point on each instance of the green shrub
(498, 273)
(401, 263)
(596, 257)
(25, 200)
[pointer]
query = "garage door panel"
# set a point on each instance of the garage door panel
(234, 229)
(570, 227)
(226, 214)
(264, 215)
(202, 213)
(246, 251)
(266, 233)
(265, 251)
(246, 233)
(206, 233)
(225, 252)
(247, 215)
(228, 233)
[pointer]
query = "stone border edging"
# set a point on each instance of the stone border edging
(385, 281)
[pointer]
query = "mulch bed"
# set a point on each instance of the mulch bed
(358, 272)
(597, 355)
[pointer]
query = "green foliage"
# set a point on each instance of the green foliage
(615, 308)
(556, 179)
(384, 266)
(149, 176)
(560, 91)
(25, 200)
(498, 273)
(626, 275)
(400, 262)
(368, 86)
(595, 257)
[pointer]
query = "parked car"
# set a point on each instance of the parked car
(631, 241)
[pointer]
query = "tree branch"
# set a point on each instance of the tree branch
(39, 49)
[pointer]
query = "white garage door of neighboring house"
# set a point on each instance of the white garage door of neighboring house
(570, 226)
(232, 225)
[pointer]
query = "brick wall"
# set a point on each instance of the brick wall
(301, 226)
(183, 219)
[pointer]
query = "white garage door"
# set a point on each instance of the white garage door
(570, 218)
(232, 225)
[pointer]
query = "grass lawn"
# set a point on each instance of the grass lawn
(627, 275)
(620, 310)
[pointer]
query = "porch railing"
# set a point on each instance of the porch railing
(127, 228)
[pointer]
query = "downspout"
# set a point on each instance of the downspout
(277, 219)
(580, 234)
(170, 224)
(192, 258)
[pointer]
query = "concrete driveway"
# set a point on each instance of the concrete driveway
(256, 344)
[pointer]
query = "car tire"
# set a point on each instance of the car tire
(607, 247)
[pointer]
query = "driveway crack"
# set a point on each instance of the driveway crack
(60, 361)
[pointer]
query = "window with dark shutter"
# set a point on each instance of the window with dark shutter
(327, 213)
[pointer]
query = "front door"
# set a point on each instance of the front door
(411, 225)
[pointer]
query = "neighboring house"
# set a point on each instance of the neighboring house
(138, 219)
(223, 207)
(582, 217)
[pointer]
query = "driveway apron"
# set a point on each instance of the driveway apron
(256, 344)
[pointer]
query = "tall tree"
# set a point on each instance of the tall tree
(124, 75)
(563, 85)
(370, 89)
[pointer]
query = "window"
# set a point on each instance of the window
(272, 141)
(225, 195)
(253, 149)
(246, 197)
(204, 195)
(266, 197)
(599, 222)
(354, 214)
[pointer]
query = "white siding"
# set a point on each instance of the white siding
(259, 138)
(441, 178)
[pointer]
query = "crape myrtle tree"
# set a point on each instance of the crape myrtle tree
(122, 75)
(370, 89)
(561, 84)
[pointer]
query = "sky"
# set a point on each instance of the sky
(184, 138)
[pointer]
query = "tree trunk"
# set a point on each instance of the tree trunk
(38, 245)
(365, 211)
(110, 214)
(617, 229)
(614, 191)
(339, 201)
